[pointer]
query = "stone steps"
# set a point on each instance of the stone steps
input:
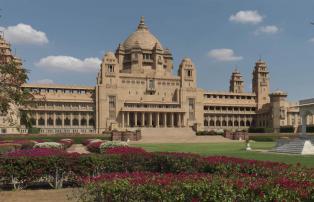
(296, 146)
(176, 135)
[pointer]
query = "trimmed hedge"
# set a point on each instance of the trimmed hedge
(286, 129)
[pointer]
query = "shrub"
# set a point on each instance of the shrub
(310, 129)
(111, 144)
(94, 146)
(49, 145)
(7, 147)
(286, 129)
(36, 152)
(66, 142)
(257, 130)
(263, 138)
(88, 141)
(145, 186)
(124, 150)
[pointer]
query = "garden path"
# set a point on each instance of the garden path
(78, 148)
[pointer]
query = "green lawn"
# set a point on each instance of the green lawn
(232, 149)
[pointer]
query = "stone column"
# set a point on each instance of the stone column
(122, 117)
(165, 120)
(79, 119)
(179, 119)
(37, 117)
(54, 119)
(87, 121)
(135, 119)
(71, 119)
(46, 118)
(150, 119)
(62, 120)
(303, 132)
(143, 119)
(172, 120)
(157, 119)
(313, 119)
(128, 119)
(182, 120)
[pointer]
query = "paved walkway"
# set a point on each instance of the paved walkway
(78, 148)
(50, 195)
(177, 135)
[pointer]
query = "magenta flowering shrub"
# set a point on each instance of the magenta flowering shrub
(125, 150)
(36, 152)
(94, 146)
(143, 186)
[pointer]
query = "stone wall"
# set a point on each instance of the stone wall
(126, 135)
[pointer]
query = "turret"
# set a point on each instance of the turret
(187, 72)
(279, 112)
(236, 82)
(260, 83)
(109, 70)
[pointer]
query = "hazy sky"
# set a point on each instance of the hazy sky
(62, 41)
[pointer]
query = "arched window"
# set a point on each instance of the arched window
(218, 123)
(83, 122)
(236, 123)
(205, 122)
(58, 121)
(248, 123)
(224, 123)
(67, 121)
(91, 122)
(33, 121)
(75, 122)
(241, 123)
(50, 121)
(212, 123)
(41, 121)
(230, 123)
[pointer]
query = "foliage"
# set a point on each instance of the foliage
(286, 129)
(12, 76)
(111, 144)
(260, 130)
(52, 145)
(145, 186)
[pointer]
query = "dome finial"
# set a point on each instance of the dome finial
(142, 25)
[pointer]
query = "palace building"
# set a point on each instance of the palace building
(136, 88)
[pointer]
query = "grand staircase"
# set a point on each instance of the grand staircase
(296, 146)
(176, 135)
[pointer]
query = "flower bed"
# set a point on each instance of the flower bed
(138, 175)
(143, 186)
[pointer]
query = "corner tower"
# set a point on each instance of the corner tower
(236, 82)
(260, 83)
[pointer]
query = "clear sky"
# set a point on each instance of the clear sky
(62, 41)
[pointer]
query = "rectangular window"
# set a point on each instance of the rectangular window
(112, 107)
(191, 108)
(110, 68)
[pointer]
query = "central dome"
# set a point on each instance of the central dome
(141, 38)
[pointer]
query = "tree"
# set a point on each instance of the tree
(12, 93)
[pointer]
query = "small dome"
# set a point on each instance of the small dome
(141, 37)
(110, 54)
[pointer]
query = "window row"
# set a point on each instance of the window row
(238, 97)
(225, 108)
(62, 91)
(150, 106)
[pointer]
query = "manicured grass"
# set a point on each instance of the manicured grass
(232, 149)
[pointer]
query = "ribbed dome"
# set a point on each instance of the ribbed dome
(141, 38)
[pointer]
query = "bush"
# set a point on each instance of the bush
(94, 146)
(34, 130)
(111, 144)
(310, 129)
(257, 130)
(286, 129)
(263, 138)
(49, 145)
(145, 186)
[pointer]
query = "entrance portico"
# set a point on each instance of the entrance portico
(149, 119)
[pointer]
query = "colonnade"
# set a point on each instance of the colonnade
(151, 119)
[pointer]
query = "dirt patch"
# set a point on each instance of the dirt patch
(51, 195)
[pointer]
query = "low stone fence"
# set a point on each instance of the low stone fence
(239, 135)
(125, 135)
